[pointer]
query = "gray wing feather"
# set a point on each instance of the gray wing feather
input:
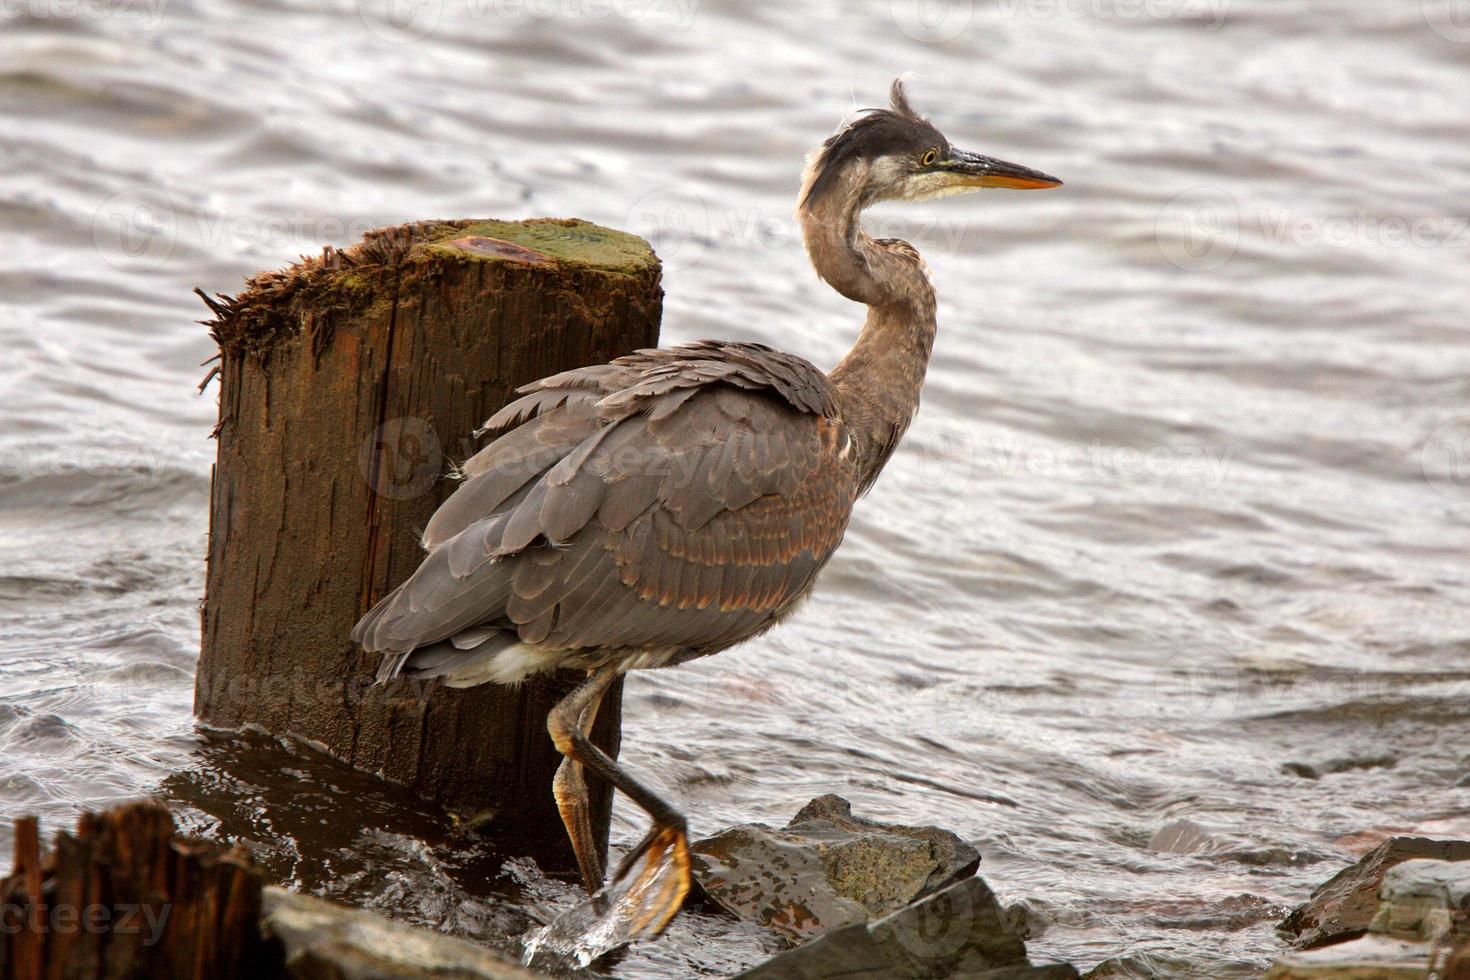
(675, 498)
(511, 463)
(432, 605)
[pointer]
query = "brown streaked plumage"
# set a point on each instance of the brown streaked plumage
(678, 501)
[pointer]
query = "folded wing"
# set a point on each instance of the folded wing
(674, 500)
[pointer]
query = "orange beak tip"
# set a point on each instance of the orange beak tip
(1016, 183)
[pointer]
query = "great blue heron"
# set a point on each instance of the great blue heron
(674, 502)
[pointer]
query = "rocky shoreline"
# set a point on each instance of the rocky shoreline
(846, 896)
(858, 898)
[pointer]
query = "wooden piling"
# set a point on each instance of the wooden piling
(348, 385)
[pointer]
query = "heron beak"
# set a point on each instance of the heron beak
(965, 169)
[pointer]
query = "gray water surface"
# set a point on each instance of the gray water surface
(1180, 531)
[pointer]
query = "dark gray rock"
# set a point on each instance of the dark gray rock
(827, 869)
(322, 940)
(1342, 907)
(959, 932)
(1336, 764)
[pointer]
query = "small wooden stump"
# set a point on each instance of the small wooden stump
(124, 897)
(349, 383)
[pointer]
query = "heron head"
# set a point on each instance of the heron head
(897, 154)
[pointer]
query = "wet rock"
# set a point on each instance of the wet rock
(1326, 767)
(1148, 966)
(1426, 900)
(959, 932)
(1188, 837)
(1343, 907)
(1423, 907)
(326, 941)
(1369, 958)
(827, 869)
(1027, 919)
(1181, 837)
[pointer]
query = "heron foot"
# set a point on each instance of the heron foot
(656, 892)
(644, 903)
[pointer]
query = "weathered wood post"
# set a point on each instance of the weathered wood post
(349, 384)
(125, 897)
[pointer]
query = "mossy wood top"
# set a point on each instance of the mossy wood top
(276, 305)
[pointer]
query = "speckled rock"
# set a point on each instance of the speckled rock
(827, 869)
(959, 932)
(1343, 907)
(326, 941)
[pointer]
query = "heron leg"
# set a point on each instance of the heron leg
(570, 789)
(669, 834)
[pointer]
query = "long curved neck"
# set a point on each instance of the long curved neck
(877, 384)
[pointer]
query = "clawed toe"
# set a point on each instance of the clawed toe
(658, 889)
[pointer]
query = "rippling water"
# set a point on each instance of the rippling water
(1179, 534)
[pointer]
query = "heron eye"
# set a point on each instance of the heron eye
(930, 155)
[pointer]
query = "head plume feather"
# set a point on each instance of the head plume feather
(873, 133)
